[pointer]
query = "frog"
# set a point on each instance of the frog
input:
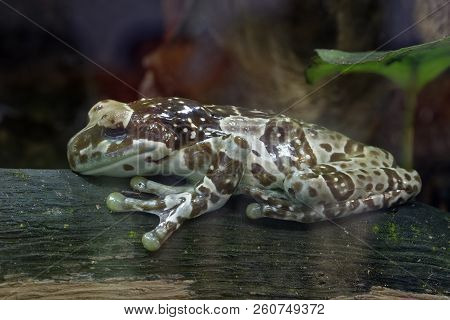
(291, 169)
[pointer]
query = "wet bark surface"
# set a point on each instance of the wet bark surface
(58, 240)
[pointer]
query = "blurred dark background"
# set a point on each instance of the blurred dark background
(246, 52)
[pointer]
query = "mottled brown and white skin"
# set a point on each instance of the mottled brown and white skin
(292, 169)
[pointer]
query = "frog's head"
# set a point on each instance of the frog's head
(136, 138)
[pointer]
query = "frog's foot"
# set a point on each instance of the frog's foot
(172, 210)
(276, 205)
(264, 197)
(148, 186)
(293, 212)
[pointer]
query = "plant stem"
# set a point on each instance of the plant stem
(408, 129)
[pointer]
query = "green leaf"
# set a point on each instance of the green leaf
(411, 68)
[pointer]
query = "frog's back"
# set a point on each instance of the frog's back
(285, 141)
(281, 145)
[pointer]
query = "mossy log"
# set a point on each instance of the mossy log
(59, 241)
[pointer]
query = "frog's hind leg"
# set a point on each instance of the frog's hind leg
(307, 213)
(317, 195)
(332, 192)
(142, 184)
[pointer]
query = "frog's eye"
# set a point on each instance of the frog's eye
(115, 133)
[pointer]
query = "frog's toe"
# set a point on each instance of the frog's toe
(254, 211)
(142, 184)
(119, 203)
(116, 202)
(151, 241)
(139, 184)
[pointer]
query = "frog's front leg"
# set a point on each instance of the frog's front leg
(172, 210)
(211, 193)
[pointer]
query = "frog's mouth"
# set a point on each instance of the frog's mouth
(117, 157)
